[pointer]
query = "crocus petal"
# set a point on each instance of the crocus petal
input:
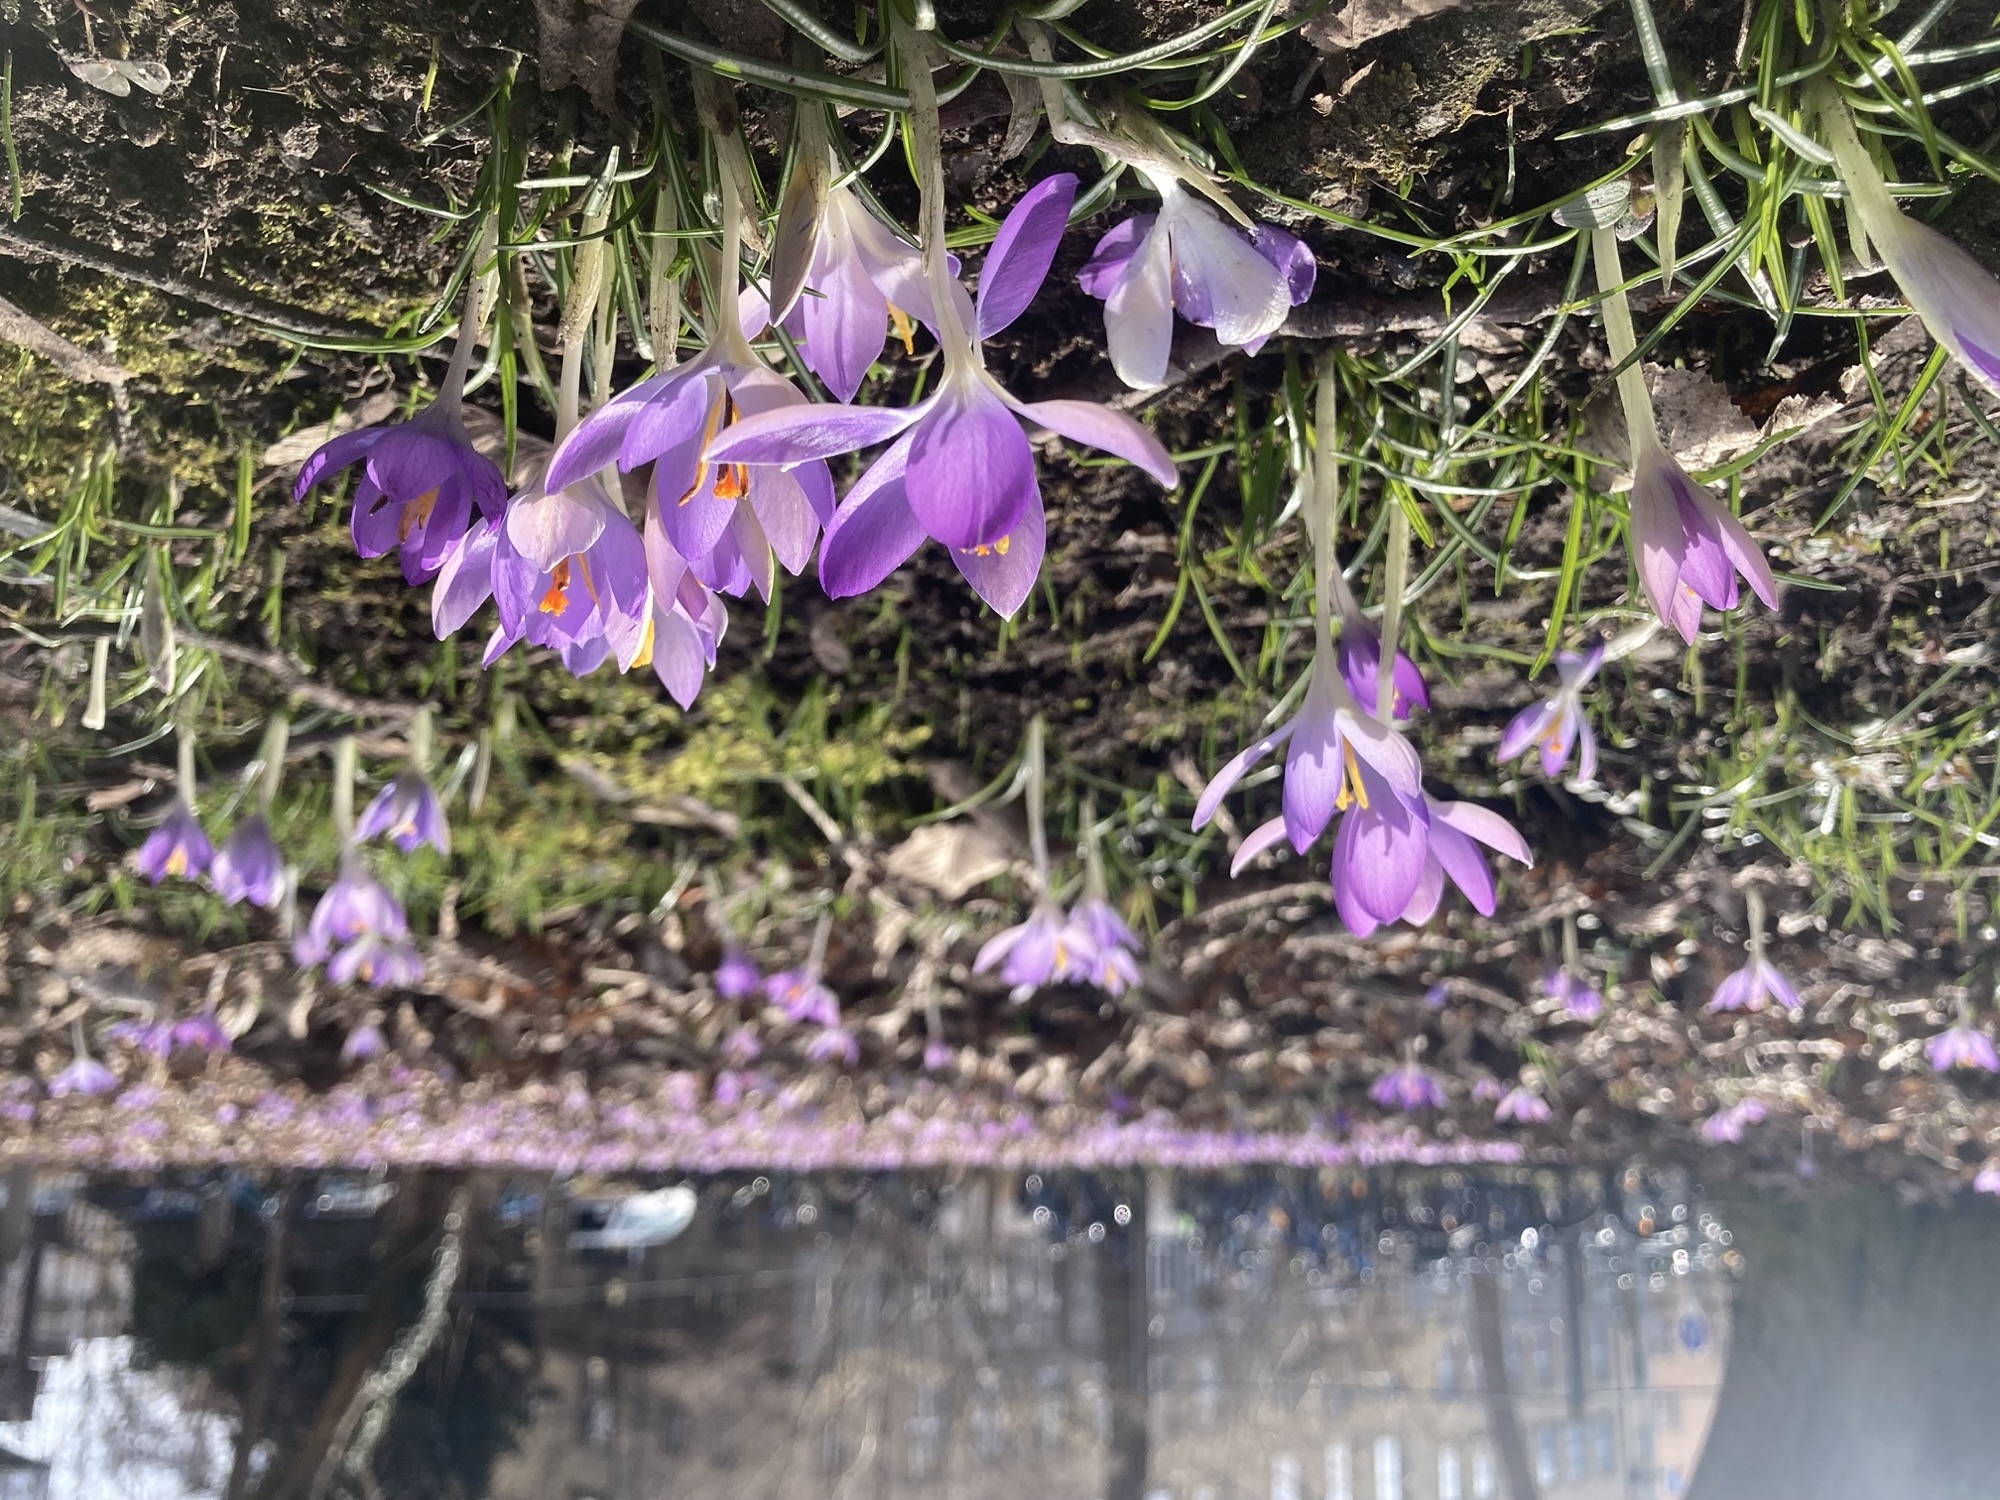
(874, 531)
(1658, 543)
(794, 434)
(971, 471)
(1108, 431)
(1430, 885)
(336, 454)
(1747, 557)
(845, 314)
(1004, 573)
(1455, 855)
(1485, 825)
(1139, 315)
(1220, 280)
(1735, 992)
(1106, 267)
(596, 440)
(1291, 256)
(1022, 252)
(465, 581)
(1315, 773)
(547, 528)
(1562, 734)
(1778, 987)
(1264, 837)
(1378, 854)
(1224, 781)
(1525, 729)
(1384, 751)
(1586, 765)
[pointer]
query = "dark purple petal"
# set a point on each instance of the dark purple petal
(1022, 252)
(1292, 257)
(971, 472)
(248, 866)
(335, 454)
(176, 848)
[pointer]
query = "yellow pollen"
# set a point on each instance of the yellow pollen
(177, 862)
(644, 656)
(733, 483)
(904, 328)
(1352, 792)
(416, 513)
(996, 549)
(556, 600)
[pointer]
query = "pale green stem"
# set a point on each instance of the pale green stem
(1038, 836)
(1869, 201)
(1324, 501)
(663, 297)
(816, 955)
(1641, 427)
(272, 774)
(420, 738)
(184, 780)
(1395, 576)
(1572, 963)
(1094, 885)
(1754, 900)
(96, 709)
(343, 788)
(452, 388)
(927, 150)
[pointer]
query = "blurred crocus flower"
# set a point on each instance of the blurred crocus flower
(1580, 999)
(1754, 986)
(1957, 298)
(1987, 1180)
(420, 479)
(1185, 259)
(1963, 1046)
(177, 847)
(1407, 1087)
(1523, 1106)
(834, 1044)
(84, 1076)
(1488, 1089)
(937, 1056)
(1557, 723)
(961, 470)
(407, 811)
(248, 866)
(1728, 1124)
(1383, 851)
(736, 976)
(802, 997)
(1360, 652)
(1113, 966)
(354, 904)
(201, 1032)
(1688, 545)
(363, 1042)
(741, 1047)
(378, 958)
(1048, 948)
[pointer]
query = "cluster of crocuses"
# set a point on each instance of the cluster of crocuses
(1088, 944)
(357, 929)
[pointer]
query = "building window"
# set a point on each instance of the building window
(1574, 1466)
(1451, 1485)
(1485, 1473)
(1339, 1472)
(1606, 1444)
(1287, 1481)
(1546, 1467)
(1388, 1468)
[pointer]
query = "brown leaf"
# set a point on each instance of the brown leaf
(579, 44)
(1362, 21)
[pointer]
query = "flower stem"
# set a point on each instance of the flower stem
(420, 738)
(927, 153)
(1872, 210)
(816, 956)
(1038, 835)
(343, 788)
(1324, 501)
(1642, 429)
(1395, 576)
(451, 390)
(184, 767)
(1754, 900)
(272, 776)
(1094, 885)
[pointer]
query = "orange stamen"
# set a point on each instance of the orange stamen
(416, 513)
(556, 600)
(1352, 791)
(177, 862)
(721, 413)
(904, 328)
(995, 549)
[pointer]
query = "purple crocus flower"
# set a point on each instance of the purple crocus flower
(1987, 1180)
(736, 976)
(407, 811)
(84, 1076)
(862, 280)
(937, 1056)
(1360, 654)
(1408, 1087)
(686, 621)
(1963, 1046)
(1113, 969)
(802, 997)
(1728, 1124)
(961, 470)
(177, 847)
(834, 1044)
(1557, 722)
(1045, 949)
(1186, 260)
(741, 1047)
(1523, 1106)
(363, 1042)
(1331, 739)
(568, 569)
(387, 961)
(420, 480)
(1957, 298)
(728, 518)
(202, 1032)
(1384, 838)
(1689, 546)
(355, 903)
(1488, 1089)
(1754, 986)
(1436, 996)
(248, 866)
(1581, 999)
